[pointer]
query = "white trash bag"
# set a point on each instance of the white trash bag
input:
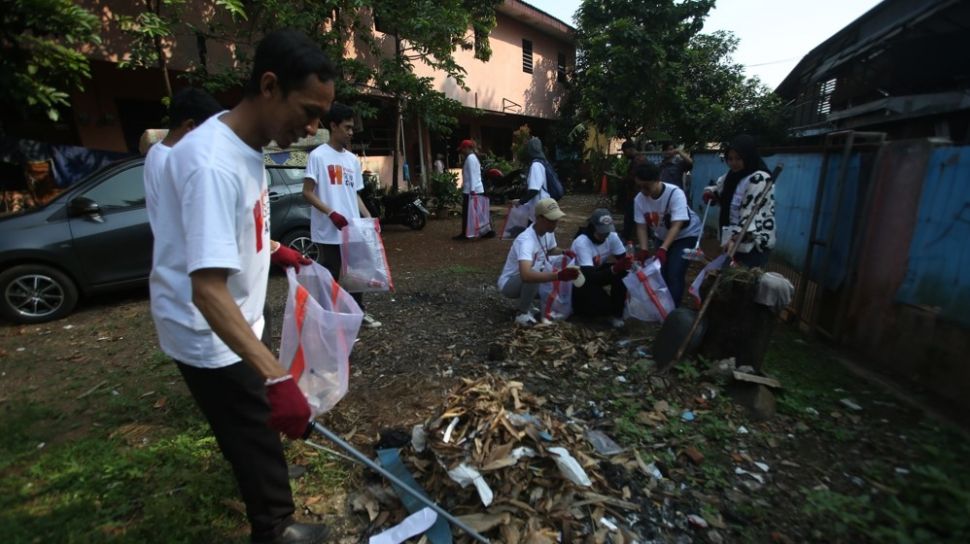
(516, 221)
(647, 296)
(556, 297)
(320, 325)
(364, 267)
(479, 217)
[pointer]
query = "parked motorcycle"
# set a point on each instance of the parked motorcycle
(500, 188)
(403, 208)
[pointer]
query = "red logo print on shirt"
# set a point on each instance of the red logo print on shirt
(652, 218)
(258, 222)
(336, 174)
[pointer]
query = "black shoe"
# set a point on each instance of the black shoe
(459, 237)
(489, 234)
(301, 533)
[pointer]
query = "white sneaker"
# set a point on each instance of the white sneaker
(370, 322)
(525, 320)
(617, 323)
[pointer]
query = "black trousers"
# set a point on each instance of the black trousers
(592, 300)
(233, 400)
(331, 260)
(464, 214)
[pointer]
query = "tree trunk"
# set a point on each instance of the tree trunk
(424, 177)
(159, 50)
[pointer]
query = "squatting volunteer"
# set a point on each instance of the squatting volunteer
(603, 261)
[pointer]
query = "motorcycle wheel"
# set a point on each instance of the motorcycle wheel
(416, 220)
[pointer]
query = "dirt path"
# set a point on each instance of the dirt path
(95, 415)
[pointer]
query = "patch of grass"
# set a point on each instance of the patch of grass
(842, 514)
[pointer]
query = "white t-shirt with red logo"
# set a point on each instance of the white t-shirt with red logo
(338, 177)
(211, 211)
(528, 246)
(589, 253)
(659, 213)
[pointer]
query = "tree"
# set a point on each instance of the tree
(646, 70)
(630, 53)
(40, 64)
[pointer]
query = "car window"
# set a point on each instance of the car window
(126, 189)
(290, 175)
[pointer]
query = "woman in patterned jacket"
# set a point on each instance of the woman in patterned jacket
(738, 192)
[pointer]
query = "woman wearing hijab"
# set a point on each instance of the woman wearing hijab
(737, 192)
(595, 244)
(536, 188)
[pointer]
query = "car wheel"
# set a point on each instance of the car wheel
(300, 240)
(34, 293)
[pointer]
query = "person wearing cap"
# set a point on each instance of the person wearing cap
(603, 261)
(673, 226)
(471, 184)
(529, 257)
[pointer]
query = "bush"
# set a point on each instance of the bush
(444, 191)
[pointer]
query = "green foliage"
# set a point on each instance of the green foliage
(40, 64)
(444, 190)
(647, 70)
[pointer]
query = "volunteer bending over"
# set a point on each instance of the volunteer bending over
(524, 267)
(674, 226)
(603, 261)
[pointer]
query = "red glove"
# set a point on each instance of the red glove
(569, 253)
(622, 264)
(643, 255)
(662, 256)
(287, 257)
(289, 412)
(567, 274)
(709, 197)
(338, 220)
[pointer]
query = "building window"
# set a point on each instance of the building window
(561, 68)
(527, 56)
(825, 91)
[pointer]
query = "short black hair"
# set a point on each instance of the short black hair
(629, 144)
(647, 171)
(339, 113)
(665, 145)
(293, 57)
(191, 103)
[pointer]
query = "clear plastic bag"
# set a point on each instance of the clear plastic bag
(320, 325)
(516, 221)
(479, 217)
(364, 267)
(648, 298)
(556, 297)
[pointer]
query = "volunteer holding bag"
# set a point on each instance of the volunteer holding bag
(594, 246)
(333, 180)
(529, 255)
(674, 227)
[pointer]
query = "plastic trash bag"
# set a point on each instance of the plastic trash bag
(320, 325)
(479, 216)
(364, 267)
(647, 298)
(556, 297)
(516, 220)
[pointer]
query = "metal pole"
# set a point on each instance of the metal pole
(329, 435)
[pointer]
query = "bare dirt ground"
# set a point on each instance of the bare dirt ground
(832, 473)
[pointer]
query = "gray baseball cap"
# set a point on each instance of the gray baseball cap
(602, 221)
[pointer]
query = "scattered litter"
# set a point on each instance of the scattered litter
(654, 472)
(21, 349)
(687, 415)
(449, 430)
(743, 430)
(902, 471)
(603, 444)
(643, 352)
(413, 525)
(763, 466)
(606, 522)
(68, 327)
(850, 404)
(621, 379)
(419, 438)
(811, 411)
(464, 474)
(740, 471)
(569, 467)
(697, 521)
(41, 445)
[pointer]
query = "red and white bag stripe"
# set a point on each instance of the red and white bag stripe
(479, 217)
(648, 298)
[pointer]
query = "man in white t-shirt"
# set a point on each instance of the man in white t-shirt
(210, 270)
(471, 184)
(673, 226)
(333, 181)
(190, 107)
(529, 256)
(603, 261)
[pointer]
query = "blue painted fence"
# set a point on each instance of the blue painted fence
(938, 273)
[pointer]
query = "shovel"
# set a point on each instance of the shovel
(696, 253)
(363, 459)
